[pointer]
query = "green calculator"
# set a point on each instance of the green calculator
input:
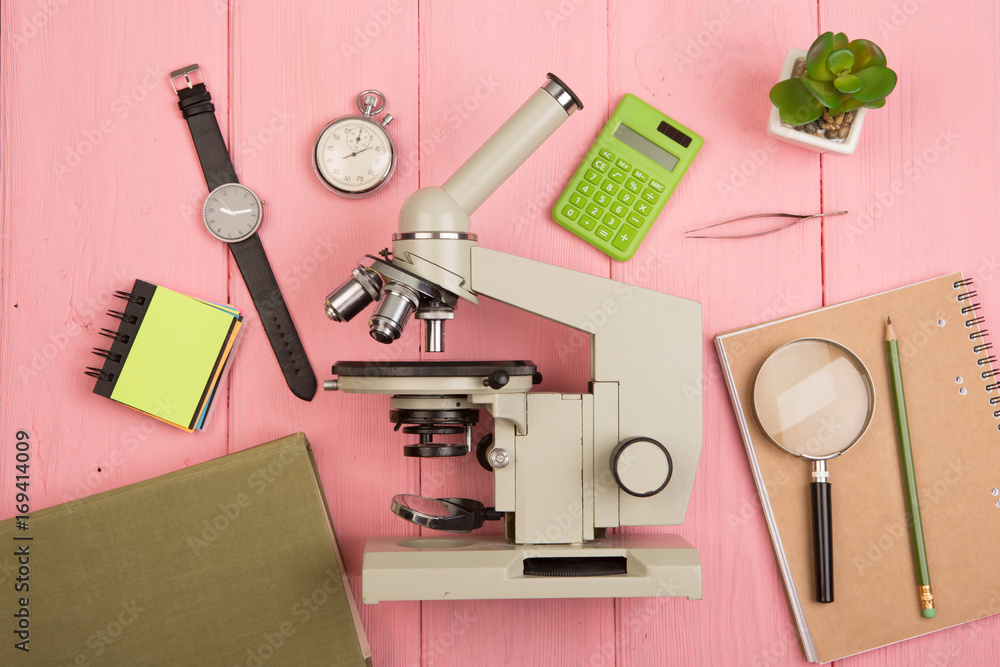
(628, 175)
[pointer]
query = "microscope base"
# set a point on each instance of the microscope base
(463, 567)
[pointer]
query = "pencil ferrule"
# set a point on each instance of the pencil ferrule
(926, 597)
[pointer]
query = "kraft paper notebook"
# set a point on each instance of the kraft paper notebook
(953, 405)
(230, 562)
(169, 354)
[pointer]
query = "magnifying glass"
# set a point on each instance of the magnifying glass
(814, 399)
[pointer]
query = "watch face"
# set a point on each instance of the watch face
(354, 156)
(232, 212)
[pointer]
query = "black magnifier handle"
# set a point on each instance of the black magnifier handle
(822, 540)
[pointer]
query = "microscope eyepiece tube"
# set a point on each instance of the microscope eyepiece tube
(511, 144)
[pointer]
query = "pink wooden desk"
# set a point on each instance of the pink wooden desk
(100, 185)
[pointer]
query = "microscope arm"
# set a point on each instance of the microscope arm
(643, 343)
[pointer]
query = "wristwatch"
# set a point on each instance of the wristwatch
(233, 213)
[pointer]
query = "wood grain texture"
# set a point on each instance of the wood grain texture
(100, 184)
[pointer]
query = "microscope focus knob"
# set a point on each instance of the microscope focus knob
(641, 466)
(497, 379)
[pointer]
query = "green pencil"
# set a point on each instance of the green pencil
(906, 454)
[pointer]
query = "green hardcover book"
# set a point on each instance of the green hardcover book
(230, 562)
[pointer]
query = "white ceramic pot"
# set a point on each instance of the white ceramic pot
(789, 134)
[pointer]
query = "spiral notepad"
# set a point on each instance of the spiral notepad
(953, 403)
(168, 355)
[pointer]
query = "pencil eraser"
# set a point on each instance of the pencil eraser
(928, 613)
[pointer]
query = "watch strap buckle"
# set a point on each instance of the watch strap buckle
(186, 73)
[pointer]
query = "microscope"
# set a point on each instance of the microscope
(566, 467)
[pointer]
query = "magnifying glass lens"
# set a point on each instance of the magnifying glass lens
(813, 398)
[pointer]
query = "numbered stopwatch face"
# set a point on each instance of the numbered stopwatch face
(232, 212)
(354, 156)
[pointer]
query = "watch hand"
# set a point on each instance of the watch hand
(355, 153)
(243, 210)
(226, 210)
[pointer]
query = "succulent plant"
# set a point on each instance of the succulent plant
(840, 76)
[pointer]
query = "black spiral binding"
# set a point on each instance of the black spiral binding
(130, 320)
(978, 337)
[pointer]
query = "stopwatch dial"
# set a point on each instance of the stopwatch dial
(354, 156)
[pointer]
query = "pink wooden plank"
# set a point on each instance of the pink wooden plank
(94, 156)
(479, 63)
(710, 65)
(318, 57)
(921, 203)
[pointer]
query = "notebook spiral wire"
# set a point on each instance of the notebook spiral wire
(978, 337)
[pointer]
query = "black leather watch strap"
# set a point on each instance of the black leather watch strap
(195, 104)
(273, 313)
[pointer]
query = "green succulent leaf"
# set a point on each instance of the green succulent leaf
(878, 104)
(848, 83)
(840, 61)
(847, 103)
(796, 105)
(866, 54)
(876, 83)
(822, 91)
(816, 58)
(839, 41)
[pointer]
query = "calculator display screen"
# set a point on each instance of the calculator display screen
(630, 137)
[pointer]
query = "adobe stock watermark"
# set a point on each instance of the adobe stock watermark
(454, 117)
(708, 40)
(121, 108)
(739, 175)
(79, 323)
(562, 12)
(32, 26)
(368, 33)
(444, 643)
(899, 16)
(897, 533)
(301, 613)
(275, 125)
(597, 318)
(260, 480)
(914, 168)
(750, 507)
(101, 640)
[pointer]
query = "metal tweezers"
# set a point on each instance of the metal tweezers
(798, 218)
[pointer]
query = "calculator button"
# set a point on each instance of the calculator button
(656, 185)
(626, 197)
(571, 212)
(592, 176)
(607, 155)
(585, 187)
(641, 175)
(649, 196)
(616, 175)
(633, 185)
(600, 165)
(607, 186)
(578, 200)
(595, 210)
(620, 210)
(611, 221)
(602, 199)
(624, 236)
(642, 207)
(622, 164)
(587, 222)
(634, 219)
(604, 233)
